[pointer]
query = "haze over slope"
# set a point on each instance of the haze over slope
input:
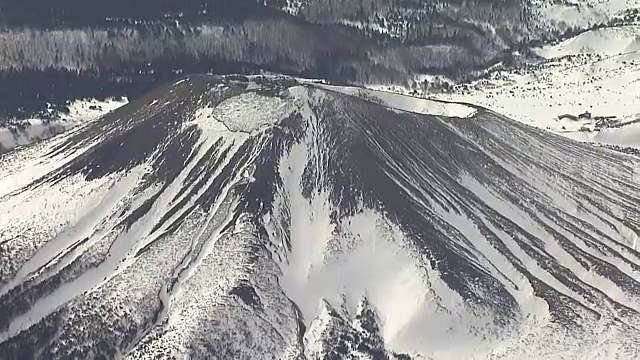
(236, 218)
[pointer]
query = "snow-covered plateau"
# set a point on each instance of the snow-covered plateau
(231, 218)
(586, 88)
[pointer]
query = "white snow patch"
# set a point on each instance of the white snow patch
(595, 78)
(404, 102)
(583, 13)
(605, 41)
(624, 136)
(293, 7)
(80, 112)
(34, 130)
(371, 26)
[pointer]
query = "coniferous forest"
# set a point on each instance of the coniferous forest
(56, 51)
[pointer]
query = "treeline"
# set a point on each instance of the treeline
(274, 44)
(45, 94)
(159, 53)
(68, 49)
(50, 14)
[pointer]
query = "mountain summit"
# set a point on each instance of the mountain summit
(249, 218)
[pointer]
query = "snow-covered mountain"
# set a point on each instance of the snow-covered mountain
(235, 218)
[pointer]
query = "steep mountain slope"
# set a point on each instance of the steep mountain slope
(257, 218)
